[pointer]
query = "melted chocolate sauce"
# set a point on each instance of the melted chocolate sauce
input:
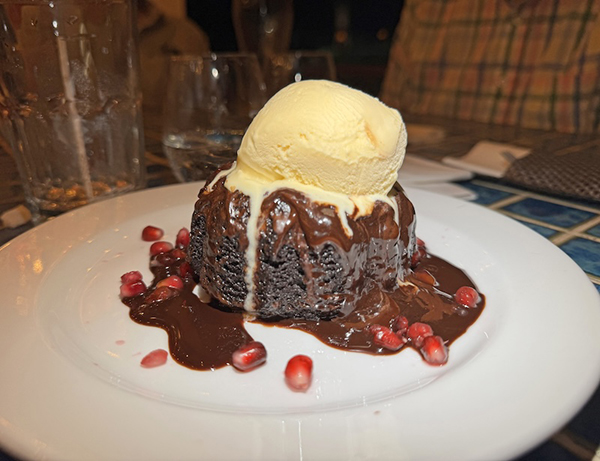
(203, 336)
(344, 283)
(416, 300)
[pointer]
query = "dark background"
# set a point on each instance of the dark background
(358, 33)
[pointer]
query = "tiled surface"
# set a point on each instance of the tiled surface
(573, 226)
(543, 231)
(549, 213)
(586, 253)
(485, 195)
(595, 231)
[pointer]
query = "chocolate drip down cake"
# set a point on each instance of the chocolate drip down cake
(306, 221)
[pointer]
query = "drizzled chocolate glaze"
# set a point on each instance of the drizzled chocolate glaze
(204, 336)
(308, 265)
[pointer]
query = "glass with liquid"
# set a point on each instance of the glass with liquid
(70, 104)
(209, 104)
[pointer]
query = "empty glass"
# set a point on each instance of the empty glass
(263, 27)
(210, 102)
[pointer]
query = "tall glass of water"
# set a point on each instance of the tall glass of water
(210, 102)
(70, 103)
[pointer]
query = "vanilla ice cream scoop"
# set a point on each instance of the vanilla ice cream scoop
(325, 134)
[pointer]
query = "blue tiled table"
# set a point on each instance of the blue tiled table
(572, 225)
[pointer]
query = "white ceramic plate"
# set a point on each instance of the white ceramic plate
(72, 386)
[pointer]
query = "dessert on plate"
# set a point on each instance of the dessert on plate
(309, 230)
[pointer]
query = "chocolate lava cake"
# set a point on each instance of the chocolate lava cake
(306, 264)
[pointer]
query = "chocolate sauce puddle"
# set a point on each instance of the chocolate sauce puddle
(201, 337)
(414, 299)
(204, 337)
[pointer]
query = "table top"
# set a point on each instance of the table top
(567, 216)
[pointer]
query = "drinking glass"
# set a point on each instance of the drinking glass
(285, 68)
(210, 102)
(263, 27)
(70, 100)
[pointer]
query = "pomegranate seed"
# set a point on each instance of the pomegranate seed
(156, 358)
(420, 243)
(131, 289)
(133, 276)
(249, 356)
(467, 296)
(417, 333)
(298, 373)
(160, 294)
(185, 269)
(400, 325)
(160, 247)
(434, 351)
(183, 238)
(172, 282)
(417, 256)
(178, 254)
(425, 277)
(151, 234)
(386, 338)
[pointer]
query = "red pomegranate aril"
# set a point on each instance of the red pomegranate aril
(160, 247)
(417, 333)
(298, 373)
(400, 325)
(434, 351)
(420, 243)
(183, 238)
(160, 294)
(249, 356)
(185, 269)
(131, 289)
(467, 296)
(386, 338)
(172, 282)
(133, 276)
(155, 358)
(152, 234)
(178, 253)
